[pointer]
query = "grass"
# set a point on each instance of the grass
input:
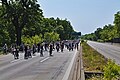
(96, 78)
(1, 53)
(92, 60)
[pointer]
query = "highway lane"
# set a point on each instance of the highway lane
(36, 68)
(108, 50)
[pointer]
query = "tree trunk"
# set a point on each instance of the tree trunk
(18, 35)
(18, 30)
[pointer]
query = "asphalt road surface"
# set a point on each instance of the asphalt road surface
(108, 50)
(35, 68)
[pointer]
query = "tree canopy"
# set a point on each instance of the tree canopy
(21, 20)
(20, 14)
(107, 33)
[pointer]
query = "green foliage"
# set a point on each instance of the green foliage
(111, 71)
(99, 40)
(26, 40)
(97, 33)
(31, 40)
(25, 18)
(36, 39)
(117, 23)
(49, 37)
(107, 33)
(82, 40)
(4, 36)
(96, 78)
(89, 37)
(20, 14)
(59, 29)
(93, 61)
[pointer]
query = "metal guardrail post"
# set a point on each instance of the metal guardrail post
(79, 70)
(81, 64)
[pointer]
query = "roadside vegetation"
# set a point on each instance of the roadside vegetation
(22, 21)
(1, 52)
(95, 62)
(108, 32)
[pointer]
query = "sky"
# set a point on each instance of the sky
(85, 15)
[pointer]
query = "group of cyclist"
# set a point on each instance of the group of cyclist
(30, 51)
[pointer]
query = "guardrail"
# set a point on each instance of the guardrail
(75, 70)
(82, 68)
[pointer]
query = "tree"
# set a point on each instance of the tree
(62, 27)
(97, 33)
(117, 23)
(32, 40)
(111, 71)
(4, 35)
(25, 18)
(76, 34)
(20, 13)
(108, 33)
(67, 29)
(60, 30)
(51, 36)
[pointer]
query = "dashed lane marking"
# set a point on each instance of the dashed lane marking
(15, 60)
(44, 59)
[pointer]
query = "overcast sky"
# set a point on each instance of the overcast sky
(85, 15)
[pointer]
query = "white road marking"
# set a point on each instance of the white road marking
(44, 59)
(15, 60)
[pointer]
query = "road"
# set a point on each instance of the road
(108, 50)
(35, 68)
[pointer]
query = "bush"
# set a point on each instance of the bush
(82, 40)
(52, 36)
(31, 40)
(111, 71)
(99, 40)
(93, 61)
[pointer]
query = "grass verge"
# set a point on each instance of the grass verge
(92, 60)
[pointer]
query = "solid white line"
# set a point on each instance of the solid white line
(66, 76)
(44, 59)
